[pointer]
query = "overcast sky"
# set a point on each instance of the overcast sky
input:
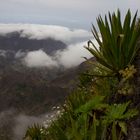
(70, 13)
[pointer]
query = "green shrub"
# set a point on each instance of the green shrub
(89, 113)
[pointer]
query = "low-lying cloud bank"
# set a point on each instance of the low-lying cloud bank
(36, 31)
(39, 59)
(69, 57)
(72, 55)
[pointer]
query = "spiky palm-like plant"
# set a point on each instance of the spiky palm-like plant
(117, 41)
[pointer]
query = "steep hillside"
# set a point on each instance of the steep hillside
(22, 87)
(25, 90)
(30, 91)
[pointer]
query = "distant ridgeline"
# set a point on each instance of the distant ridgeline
(14, 41)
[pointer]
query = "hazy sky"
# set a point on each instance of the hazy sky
(70, 13)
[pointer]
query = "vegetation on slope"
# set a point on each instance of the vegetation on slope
(101, 107)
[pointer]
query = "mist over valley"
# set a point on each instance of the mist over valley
(39, 66)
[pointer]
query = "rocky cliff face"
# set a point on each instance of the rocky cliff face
(134, 128)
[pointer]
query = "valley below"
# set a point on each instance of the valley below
(28, 92)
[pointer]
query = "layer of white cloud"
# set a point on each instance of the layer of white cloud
(39, 59)
(69, 57)
(72, 55)
(35, 31)
(20, 54)
(3, 53)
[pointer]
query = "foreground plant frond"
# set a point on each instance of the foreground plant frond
(119, 112)
(95, 104)
(116, 116)
(117, 41)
